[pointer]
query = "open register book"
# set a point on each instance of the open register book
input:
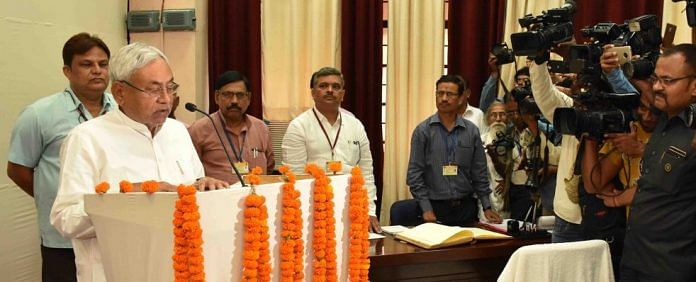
(433, 235)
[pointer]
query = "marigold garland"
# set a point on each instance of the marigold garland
(125, 186)
(150, 186)
(358, 259)
(102, 187)
(291, 244)
(188, 251)
(256, 258)
(324, 234)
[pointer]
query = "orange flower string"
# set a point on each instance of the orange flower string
(256, 257)
(188, 251)
(102, 187)
(125, 186)
(358, 259)
(150, 186)
(324, 233)
(291, 245)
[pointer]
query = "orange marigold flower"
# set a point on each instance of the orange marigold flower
(335, 166)
(150, 186)
(284, 169)
(257, 170)
(102, 187)
(125, 186)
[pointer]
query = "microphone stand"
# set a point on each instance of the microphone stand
(193, 108)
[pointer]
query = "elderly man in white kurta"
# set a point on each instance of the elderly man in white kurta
(136, 142)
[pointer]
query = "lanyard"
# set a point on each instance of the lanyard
(229, 140)
(327, 135)
(450, 139)
(82, 114)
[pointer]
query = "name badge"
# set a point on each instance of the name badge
(242, 167)
(449, 170)
(337, 165)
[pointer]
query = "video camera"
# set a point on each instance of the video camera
(599, 113)
(641, 34)
(544, 31)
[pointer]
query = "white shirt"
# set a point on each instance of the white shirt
(475, 115)
(548, 98)
(305, 142)
(112, 148)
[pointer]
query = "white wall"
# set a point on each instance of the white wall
(32, 34)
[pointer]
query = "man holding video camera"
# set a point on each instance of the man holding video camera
(660, 235)
(611, 172)
(565, 204)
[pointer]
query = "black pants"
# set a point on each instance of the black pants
(460, 212)
(58, 264)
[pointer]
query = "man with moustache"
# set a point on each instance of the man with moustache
(447, 164)
(33, 161)
(660, 235)
(246, 137)
(325, 134)
(494, 141)
(136, 142)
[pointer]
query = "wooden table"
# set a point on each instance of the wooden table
(393, 260)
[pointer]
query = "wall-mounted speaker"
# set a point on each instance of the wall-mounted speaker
(184, 19)
(143, 21)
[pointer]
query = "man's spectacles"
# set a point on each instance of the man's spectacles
(229, 94)
(665, 81)
(170, 89)
(449, 95)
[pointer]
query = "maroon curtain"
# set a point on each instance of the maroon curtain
(234, 43)
(591, 12)
(473, 27)
(361, 63)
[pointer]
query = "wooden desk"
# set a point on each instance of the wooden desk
(393, 260)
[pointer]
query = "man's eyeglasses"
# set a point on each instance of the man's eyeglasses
(170, 89)
(665, 81)
(229, 94)
(449, 95)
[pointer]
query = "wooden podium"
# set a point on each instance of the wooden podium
(135, 231)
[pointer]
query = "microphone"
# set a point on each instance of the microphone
(191, 107)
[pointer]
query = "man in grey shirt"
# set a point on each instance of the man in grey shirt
(447, 165)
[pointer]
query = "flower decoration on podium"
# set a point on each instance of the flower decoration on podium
(358, 260)
(256, 265)
(125, 186)
(188, 242)
(102, 187)
(324, 234)
(291, 243)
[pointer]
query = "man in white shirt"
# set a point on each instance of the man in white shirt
(323, 133)
(136, 142)
(469, 112)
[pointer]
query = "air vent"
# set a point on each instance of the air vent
(143, 21)
(179, 19)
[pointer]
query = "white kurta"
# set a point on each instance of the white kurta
(112, 148)
(304, 142)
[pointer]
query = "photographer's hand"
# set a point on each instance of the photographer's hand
(493, 65)
(627, 143)
(609, 60)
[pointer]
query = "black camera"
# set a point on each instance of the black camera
(544, 31)
(641, 34)
(603, 112)
(503, 54)
(504, 141)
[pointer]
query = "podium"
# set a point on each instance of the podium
(135, 231)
